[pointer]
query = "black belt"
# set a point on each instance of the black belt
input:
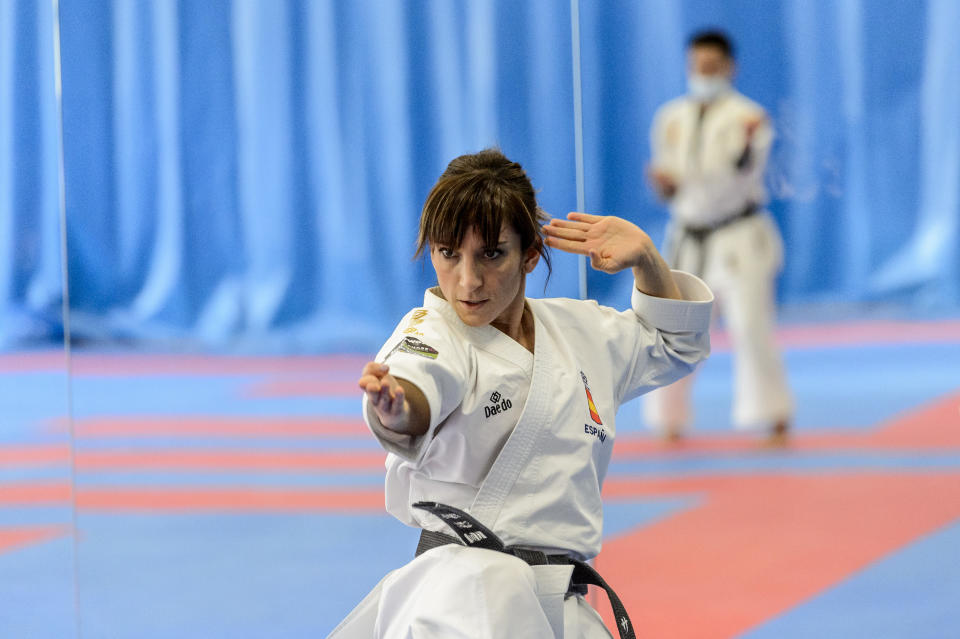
(474, 534)
(699, 234)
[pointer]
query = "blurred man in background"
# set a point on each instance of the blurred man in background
(709, 151)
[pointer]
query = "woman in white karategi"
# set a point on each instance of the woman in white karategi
(710, 151)
(503, 407)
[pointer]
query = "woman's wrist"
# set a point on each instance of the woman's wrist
(652, 276)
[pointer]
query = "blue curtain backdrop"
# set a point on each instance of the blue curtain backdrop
(30, 266)
(250, 172)
(256, 169)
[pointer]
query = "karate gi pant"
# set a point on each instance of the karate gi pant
(455, 592)
(739, 263)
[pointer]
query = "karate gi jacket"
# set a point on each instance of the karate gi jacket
(705, 156)
(558, 406)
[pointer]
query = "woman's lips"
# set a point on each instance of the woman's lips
(474, 304)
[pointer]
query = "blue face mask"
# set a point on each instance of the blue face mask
(706, 88)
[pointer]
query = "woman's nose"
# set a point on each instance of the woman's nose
(471, 277)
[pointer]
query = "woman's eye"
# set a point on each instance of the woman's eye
(445, 252)
(492, 254)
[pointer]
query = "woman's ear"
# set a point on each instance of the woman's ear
(530, 259)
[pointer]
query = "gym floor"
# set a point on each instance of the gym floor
(222, 496)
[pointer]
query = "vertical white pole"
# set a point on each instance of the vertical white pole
(65, 308)
(578, 133)
(578, 152)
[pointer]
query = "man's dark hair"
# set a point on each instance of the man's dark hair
(712, 38)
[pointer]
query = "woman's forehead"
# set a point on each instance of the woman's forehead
(472, 236)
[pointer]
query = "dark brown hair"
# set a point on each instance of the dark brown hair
(483, 191)
(712, 38)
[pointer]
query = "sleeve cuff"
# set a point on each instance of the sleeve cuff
(692, 313)
(396, 443)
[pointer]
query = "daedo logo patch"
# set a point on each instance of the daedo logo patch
(498, 404)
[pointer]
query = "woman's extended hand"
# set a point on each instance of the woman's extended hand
(399, 405)
(612, 243)
(385, 394)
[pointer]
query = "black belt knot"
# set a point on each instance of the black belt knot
(474, 534)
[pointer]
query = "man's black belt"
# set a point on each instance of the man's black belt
(699, 234)
(471, 532)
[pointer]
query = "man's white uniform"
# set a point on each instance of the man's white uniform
(522, 442)
(719, 232)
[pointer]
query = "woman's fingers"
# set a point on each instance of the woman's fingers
(570, 236)
(583, 217)
(565, 233)
(385, 400)
(396, 404)
(379, 385)
(570, 246)
(371, 376)
(375, 368)
(556, 223)
(369, 383)
(380, 400)
(385, 395)
(612, 243)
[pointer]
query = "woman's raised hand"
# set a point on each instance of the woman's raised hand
(612, 243)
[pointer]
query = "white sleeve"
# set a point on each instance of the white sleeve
(674, 336)
(423, 351)
(760, 148)
(729, 146)
(690, 313)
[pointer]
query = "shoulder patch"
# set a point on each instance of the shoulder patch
(414, 346)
